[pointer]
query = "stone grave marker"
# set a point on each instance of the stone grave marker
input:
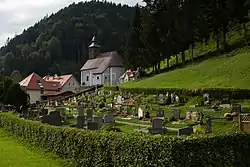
(172, 98)
(194, 116)
(177, 99)
(80, 110)
(206, 99)
(93, 126)
(140, 113)
(119, 99)
(161, 98)
(108, 118)
(80, 122)
(53, 118)
(157, 126)
(208, 125)
(236, 108)
(160, 113)
(176, 114)
(89, 114)
(185, 131)
(188, 115)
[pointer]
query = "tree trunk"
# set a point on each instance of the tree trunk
(159, 67)
(223, 41)
(217, 39)
(192, 51)
(167, 62)
(245, 33)
(176, 56)
(183, 57)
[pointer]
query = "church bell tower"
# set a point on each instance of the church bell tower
(94, 49)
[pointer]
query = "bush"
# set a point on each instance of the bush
(95, 148)
(237, 94)
(198, 129)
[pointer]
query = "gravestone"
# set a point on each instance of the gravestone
(99, 120)
(176, 114)
(188, 115)
(161, 98)
(159, 113)
(93, 126)
(157, 127)
(108, 118)
(140, 113)
(177, 99)
(194, 116)
(119, 99)
(53, 118)
(236, 108)
(208, 125)
(206, 99)
(172, 98)
(80, 122)
(80, 110)
(185, 131)
(89, 114)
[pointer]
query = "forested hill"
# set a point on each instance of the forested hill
(58, 44)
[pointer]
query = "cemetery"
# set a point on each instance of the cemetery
(171, 114)
(104, 121)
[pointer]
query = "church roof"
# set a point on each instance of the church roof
(102, 62)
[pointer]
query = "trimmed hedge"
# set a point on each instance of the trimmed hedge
(237, 94)
(116, 149)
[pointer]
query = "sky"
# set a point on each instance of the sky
(17, 15)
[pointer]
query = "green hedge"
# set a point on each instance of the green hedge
(236, 94)
(99, 149)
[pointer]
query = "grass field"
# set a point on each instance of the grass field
(14, 154)
(226, 71)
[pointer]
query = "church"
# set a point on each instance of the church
(101, 68)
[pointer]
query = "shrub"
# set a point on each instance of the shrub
(237, 94)
(198, 129)
(95, 148)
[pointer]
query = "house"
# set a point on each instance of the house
(129, 75)
(101, 68)
(37, 87)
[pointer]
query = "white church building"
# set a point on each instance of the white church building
(101, 68)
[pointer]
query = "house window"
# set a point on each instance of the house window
(106, 77)
(114, 76)
(97, 77)
(87, 78)
(69, 84)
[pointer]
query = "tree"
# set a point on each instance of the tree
(54, 48)
(134, 45)
(16, 96)
(16, 76)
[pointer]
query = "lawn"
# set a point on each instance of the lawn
(226, 71)
(14, 154)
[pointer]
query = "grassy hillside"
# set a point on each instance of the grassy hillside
(228, 71)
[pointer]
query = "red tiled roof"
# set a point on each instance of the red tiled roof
(61, 79)
(33, 80)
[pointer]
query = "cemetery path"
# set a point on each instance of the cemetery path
(141, 125)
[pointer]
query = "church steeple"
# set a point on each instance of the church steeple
(94, 48)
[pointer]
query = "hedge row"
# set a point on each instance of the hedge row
(99, 149)
(236, 94)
